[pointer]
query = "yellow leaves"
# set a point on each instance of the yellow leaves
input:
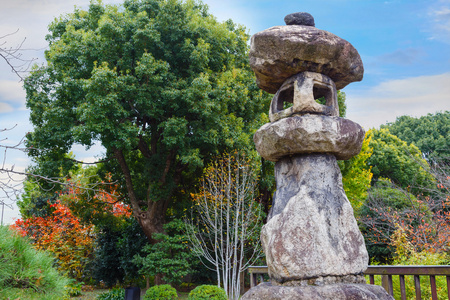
(357, 175)
(38, 281)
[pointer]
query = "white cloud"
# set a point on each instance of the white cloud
(12, 91)
(13, 183)
(440, 16)
(241, 12)
(42, 7)
(93, 154)
(416, 96)
(5, 108)
(400, 57)
(10, 214)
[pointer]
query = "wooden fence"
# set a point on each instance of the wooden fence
(386, 273)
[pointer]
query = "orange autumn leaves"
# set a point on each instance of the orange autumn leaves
(62, 232)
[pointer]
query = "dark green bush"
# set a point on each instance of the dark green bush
(116, 246)
(207, 292)
(114, 294)
(161, 292)
(170, 257)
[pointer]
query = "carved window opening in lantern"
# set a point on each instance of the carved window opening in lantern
(304, 93)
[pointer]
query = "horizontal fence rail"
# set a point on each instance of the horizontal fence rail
(386, 273)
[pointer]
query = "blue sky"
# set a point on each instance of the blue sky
(404, 45)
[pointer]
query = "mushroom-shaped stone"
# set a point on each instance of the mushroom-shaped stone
(279, 52)
(309, 134)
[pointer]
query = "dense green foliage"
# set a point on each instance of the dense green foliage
(357, 175)
(341, 102)
(429, 133)
(116, 247)
(161, 292)
(160, 84)
(27, 273)
(114, 294)
(170, 257)
(393, 158)
(207, 292)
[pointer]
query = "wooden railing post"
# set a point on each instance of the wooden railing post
(254, 271)
(448, 286)
(433, 287)
(253, 281)
(402, 287)
(417, 287)
(384, 282)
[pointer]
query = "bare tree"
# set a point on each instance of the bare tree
(226, 228)
(13, 55)
(11, 178)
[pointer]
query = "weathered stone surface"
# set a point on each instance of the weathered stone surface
(266, 291)
(279, 52)
(312, 231)
(309, 134)
(301, 90)
(299, 18)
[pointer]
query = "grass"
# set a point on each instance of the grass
(26, 273)
(91, 295)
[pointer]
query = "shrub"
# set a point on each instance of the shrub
(114, 294)
(161, 292)
(170, 257)
(207, 292)
(27, 273)
(116, 246)
(74, 288)
(62, 234)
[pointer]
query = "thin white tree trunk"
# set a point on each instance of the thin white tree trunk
(227, 218)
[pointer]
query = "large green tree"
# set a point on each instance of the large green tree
(430, 133)
(160, 84)
(393, 158)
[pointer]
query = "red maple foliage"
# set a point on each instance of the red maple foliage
(65, 233)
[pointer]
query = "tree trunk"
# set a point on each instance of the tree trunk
(152, 221)
(265, 198)
(159, 280)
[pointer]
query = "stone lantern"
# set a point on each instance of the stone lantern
(313, 246)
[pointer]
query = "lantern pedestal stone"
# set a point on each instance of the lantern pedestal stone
(267, 291)
(312, 235)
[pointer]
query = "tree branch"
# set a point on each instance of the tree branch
(126, 172)
(12, 54)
